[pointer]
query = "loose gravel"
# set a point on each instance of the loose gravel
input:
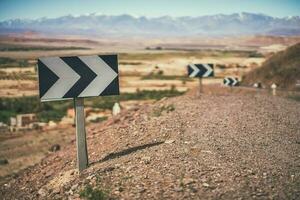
(217, 146)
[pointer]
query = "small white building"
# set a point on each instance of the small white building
(23, 122)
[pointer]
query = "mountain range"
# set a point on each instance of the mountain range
(127, 25)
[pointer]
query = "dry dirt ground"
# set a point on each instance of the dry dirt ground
(227, 144)
(24, 149)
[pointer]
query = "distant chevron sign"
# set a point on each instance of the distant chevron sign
(200, 70)
(229, 81)
(78, 76)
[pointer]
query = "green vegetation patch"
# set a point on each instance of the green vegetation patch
(55, 110)
(294, 97)
(18, 76)
(15, 47)
(90, 193)
(45, 111)
(10, 62)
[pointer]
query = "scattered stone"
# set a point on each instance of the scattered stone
(54, 148)
(48, 174)
(146, 159)
(116, 192)
(187, 181)
(42, 192)
(74, 187)
(169, 141)
(56, 190)
(163, 99)
(90, 177)
(117, 165)
(264, 174)
(192, 189)
(205, 184)
(178, 189)
(205, 151)
(196, 127)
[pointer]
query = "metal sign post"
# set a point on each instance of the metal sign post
(82, 154)
(201, 71)
(231, 82)
(200, 86)
(76, 77)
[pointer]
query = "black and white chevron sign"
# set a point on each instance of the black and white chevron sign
(230, 81)
(78, 76)
(200, 70)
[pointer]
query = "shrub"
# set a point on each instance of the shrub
(91, 193)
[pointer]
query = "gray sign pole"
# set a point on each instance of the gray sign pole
(200, 85)
(66, 77)
(82, 155)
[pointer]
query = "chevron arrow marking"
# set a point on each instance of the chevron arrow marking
(235, 81)
(225, 81)
(78, 76)
(200, 70)
(67, 77)
(105, 75)
(87, 75)
(196, 70)
(230, 81)
(209, 70)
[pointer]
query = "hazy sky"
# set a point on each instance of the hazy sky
(11, 9)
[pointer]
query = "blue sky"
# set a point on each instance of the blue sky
(11, 9)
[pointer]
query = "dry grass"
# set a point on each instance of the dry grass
(282, 69)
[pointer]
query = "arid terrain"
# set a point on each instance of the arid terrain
(282, 69)
(138, 58)
(226, 144)
(231, 143)
(24, 150)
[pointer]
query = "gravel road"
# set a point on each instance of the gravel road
(218, 146)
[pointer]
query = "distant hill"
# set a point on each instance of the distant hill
(282, 68)
(127, 25)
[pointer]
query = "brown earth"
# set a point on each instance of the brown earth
(227, 144)
(282, 69)
(24, 149)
